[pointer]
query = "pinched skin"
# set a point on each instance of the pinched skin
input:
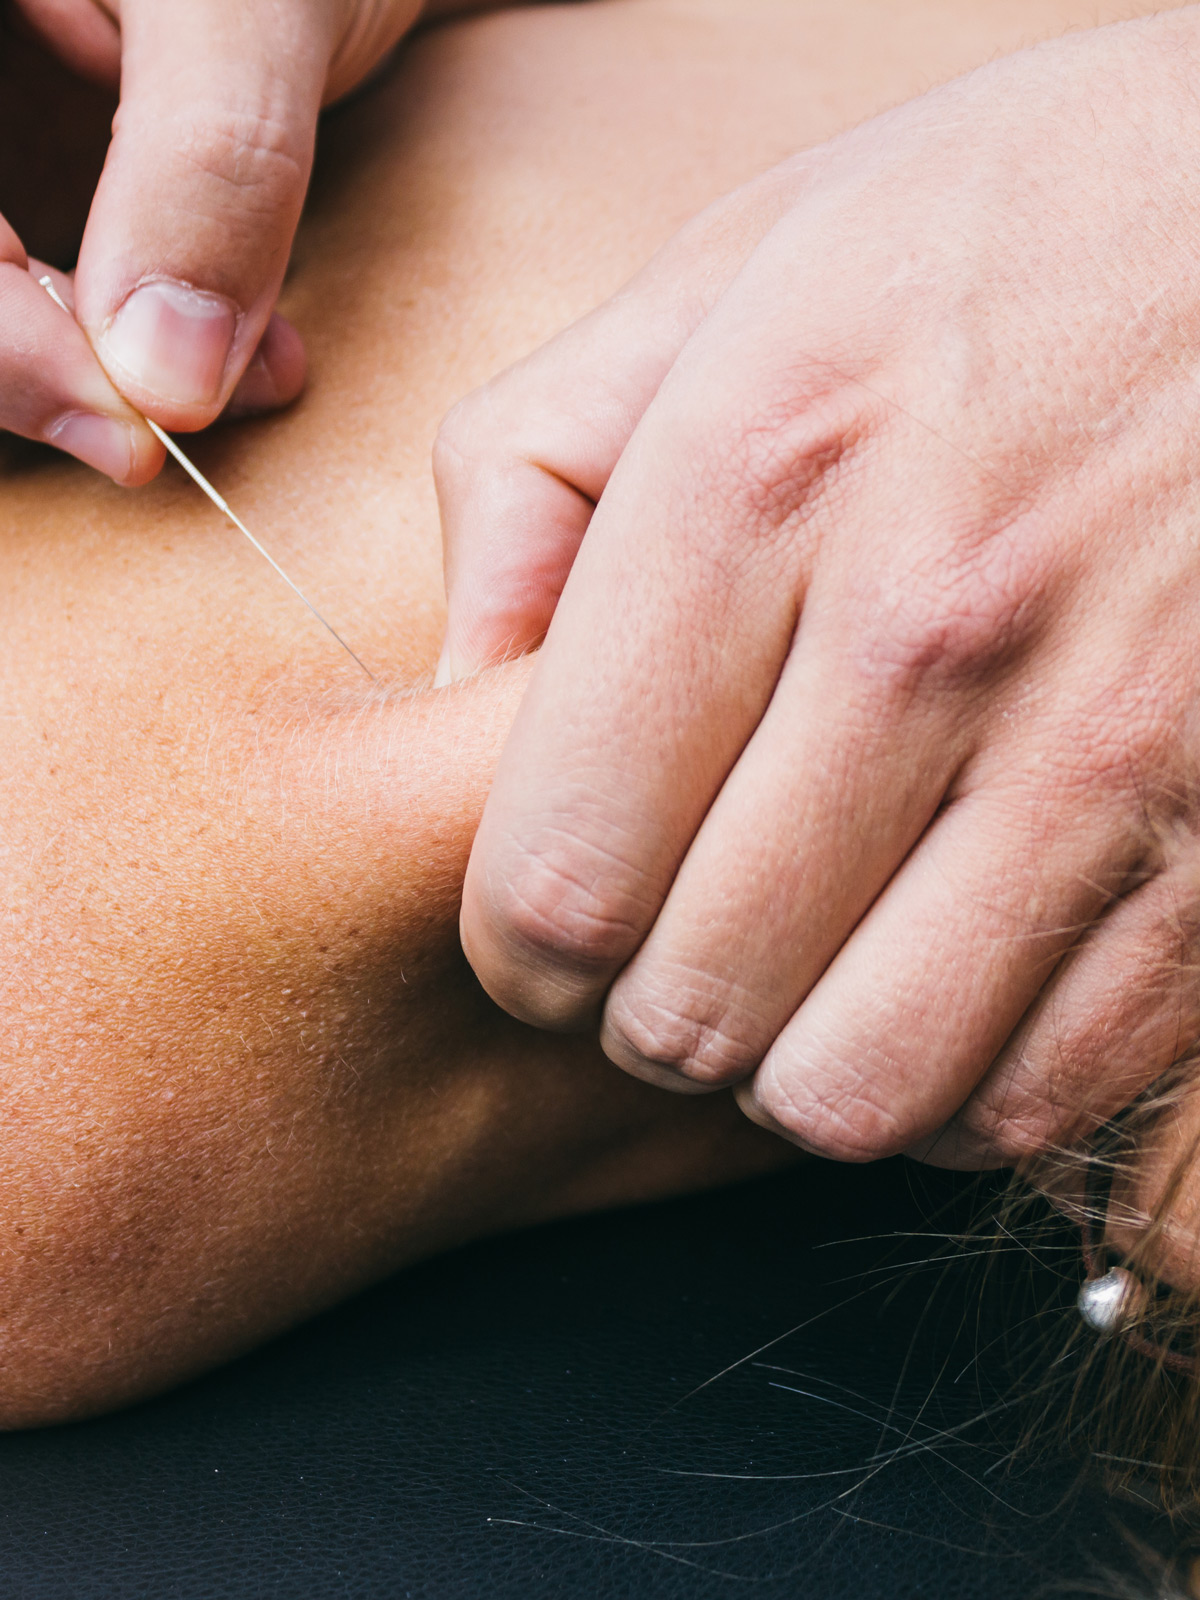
(245, 1069)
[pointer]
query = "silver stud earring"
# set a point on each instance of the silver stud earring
(1113, 1302)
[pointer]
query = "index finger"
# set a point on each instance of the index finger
(660, 661)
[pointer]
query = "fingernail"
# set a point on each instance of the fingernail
(450, 671)
(173, 341)
(102, 442)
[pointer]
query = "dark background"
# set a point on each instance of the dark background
(518, 1419)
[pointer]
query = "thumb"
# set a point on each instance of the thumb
(193, 219)
(521, 463)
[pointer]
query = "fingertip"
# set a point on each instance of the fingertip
(146, 459)
(122, 449)
(456, 665)
(193, 219)
(275, 375)
(486, 628)
(98, 441)
(443, 675)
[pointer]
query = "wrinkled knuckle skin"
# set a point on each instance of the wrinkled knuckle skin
(839, 1123)
(770, 470)
(552, 919)
(949, 626)
(669, 1036)
(1010, 1135)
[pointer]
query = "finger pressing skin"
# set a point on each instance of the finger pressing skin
(874, 714)
(521, 463)
(275, 374)
(1122, 1010)
(659, 663)
(925, 993)
(519, 466)
(667, 644)
(189, 234)
(51, 386)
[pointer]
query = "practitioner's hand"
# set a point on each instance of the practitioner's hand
(52, 137)
(192, 222)
(875, 685)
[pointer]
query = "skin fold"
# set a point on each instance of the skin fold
(245, 1067)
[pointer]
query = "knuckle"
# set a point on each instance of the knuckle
(837, 1119)
(684, 1033)
(948, 625)
(1011, 1134)
(767, 471)
(559, 910)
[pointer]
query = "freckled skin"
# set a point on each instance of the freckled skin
(244, 1068)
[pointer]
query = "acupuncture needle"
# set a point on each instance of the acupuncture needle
(221, 504)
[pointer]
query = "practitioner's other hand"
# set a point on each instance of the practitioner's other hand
(861, 761)
(192, 221)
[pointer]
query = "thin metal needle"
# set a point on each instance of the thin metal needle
(222, 505)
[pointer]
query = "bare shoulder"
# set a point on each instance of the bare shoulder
(245, 1067)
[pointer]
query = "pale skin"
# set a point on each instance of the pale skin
(246, 1070)
(859, 766)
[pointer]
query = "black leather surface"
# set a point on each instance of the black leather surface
(516, 1421)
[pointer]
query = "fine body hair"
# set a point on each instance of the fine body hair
(286, 1011)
